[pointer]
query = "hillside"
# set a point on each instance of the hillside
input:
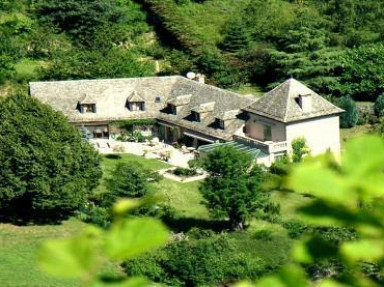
(335, 47)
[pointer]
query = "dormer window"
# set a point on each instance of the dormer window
(87, 104)
(220, 123)
(172, 109)
(135, 102)
(136, 106)
(87, 108)
(196, 116)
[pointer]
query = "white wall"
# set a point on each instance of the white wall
(321, 134)
(255, 129)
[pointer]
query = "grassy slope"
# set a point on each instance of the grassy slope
(197, 25)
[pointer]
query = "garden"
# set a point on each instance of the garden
(244, 231)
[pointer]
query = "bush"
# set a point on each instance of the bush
(113, 156)
(127, 180)
(197, 262)
(379, 105)
(295, 228)
(47, 170)
(334, 235)
(179, 171)
(280, 166)
(351, 116)
(97, 215)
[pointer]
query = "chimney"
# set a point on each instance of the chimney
(200, 78)
(305, 102)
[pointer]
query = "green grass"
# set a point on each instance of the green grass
(18, 247)
(28, 68)
(274, 251)
(185, 198)
(249, 90)
(289, 202)
(152, 164)
(108, 164)
(348, 134)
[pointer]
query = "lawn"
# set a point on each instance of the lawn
(348, 134)
(183, 197)
(18, 247)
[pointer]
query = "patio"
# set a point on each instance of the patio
(153, 149)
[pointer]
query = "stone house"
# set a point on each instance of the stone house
(200, 115)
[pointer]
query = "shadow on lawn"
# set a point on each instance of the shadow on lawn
(185, 224)
(25, 219)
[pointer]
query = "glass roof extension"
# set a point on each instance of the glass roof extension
(237, 145)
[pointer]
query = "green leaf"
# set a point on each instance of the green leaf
(330, 283)
(131, 282)
(369, 250)
(313, 249)
(323, 213)
(132, 237)
(316, 179)
(75, 257)
(289, 276)
(364, 155)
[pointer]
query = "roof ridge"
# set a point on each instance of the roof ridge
(287, 97)
(105, 80)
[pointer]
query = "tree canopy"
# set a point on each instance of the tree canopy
(47, 170)
(233, 189)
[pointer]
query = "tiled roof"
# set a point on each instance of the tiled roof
(110, 97)
(282, 103)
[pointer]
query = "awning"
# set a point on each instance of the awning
(199, 137)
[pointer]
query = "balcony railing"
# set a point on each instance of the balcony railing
(269, 147)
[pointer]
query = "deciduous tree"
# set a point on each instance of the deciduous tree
(233, 189)
(47, 171)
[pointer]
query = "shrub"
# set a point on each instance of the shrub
(127, 180)
(137, 136)
(179, 171)
(379, 105)
(299, 149)
(295, 228)
(280, 166)
(197, 262)
(351, 116)
(113, 156)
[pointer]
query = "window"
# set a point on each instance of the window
(136, 106)
(157, 100)
(220, 123)
(87, 108)
(196, 116)
(172, 109)
(267, 133)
